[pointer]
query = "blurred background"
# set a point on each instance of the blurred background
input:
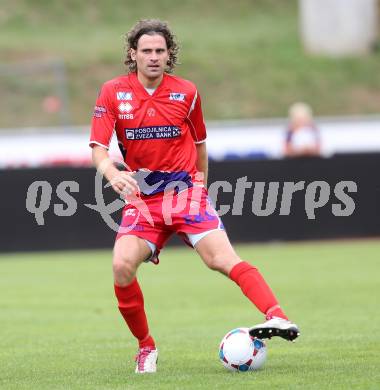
(247, 59)
(291, 95)
(251, 60)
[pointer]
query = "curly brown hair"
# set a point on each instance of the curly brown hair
(151, 27)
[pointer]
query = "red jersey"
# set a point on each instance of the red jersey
(157, 132)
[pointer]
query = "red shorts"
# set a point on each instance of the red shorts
(155, 218)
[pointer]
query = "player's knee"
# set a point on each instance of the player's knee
(124, 268)
(214, 263)
(222, 263)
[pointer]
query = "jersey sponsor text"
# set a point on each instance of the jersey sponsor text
(155, 132)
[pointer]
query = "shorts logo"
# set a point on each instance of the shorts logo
(179, 97)
(154, 132)
(125, 107)
(123, 95)
(130, 212)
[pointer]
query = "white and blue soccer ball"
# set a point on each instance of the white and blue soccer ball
(239, 352)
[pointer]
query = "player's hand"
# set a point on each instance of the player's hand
(124, 184)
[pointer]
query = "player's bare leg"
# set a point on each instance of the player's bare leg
(129, 252)
(218, 254)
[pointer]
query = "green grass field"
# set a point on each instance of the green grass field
(60, 328)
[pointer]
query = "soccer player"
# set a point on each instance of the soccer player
(161, 133)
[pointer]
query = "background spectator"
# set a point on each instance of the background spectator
(302, 137)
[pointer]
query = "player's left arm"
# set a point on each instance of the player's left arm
(198, 131)
(202, 160)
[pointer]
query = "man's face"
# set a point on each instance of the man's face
(151, 56)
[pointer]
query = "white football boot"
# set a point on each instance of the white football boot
(146, 360)
(276, 326)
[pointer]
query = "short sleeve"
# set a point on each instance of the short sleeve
(197, 124)
(103, 121)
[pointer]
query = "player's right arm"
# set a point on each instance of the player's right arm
(121, 181)
(102, 128)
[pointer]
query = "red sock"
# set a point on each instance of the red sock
(131, 306)
(253, 285)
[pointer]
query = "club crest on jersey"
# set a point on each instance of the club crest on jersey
(125, 107)
(123, 95)
(151, 112)
(179, 97)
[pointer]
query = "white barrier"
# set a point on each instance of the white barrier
(34, 147)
